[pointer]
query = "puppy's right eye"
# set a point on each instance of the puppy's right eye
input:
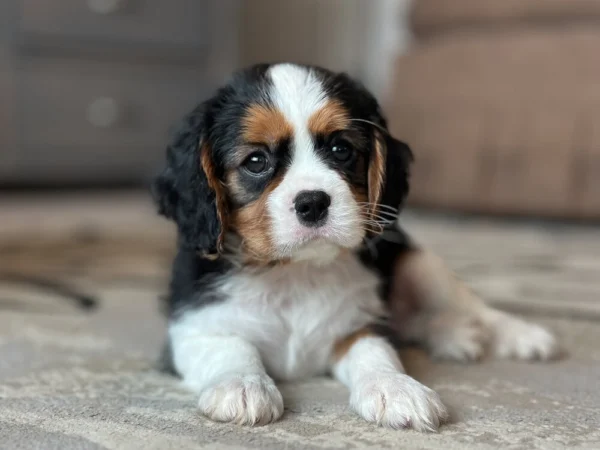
(257, 163)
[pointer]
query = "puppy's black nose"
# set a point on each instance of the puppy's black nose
(311, 207)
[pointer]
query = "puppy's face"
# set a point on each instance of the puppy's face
(297, 163)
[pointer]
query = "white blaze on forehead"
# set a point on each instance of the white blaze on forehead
(297, 92)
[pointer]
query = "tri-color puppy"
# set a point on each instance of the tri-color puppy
(285, 187)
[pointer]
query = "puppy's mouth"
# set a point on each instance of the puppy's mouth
(321, 242)
(316, 249)
(304, 235)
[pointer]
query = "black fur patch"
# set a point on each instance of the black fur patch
(382, 252)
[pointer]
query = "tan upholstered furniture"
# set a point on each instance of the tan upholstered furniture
(501, 102)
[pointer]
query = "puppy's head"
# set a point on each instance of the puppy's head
(285, 162)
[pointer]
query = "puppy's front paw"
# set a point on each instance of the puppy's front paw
(396, 400)
(518, 339)
(248, 399)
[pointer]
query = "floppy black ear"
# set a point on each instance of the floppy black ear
(389, 167)
(188, 191)
(399, 158)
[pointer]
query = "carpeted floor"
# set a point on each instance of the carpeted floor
(74, 379)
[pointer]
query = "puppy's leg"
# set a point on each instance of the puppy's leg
(229, 375)
(432, 307)
(380, 391)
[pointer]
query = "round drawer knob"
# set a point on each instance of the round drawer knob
(105, 6)
(103, 112)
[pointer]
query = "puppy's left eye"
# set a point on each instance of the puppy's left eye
(257, 163)
(341, 151)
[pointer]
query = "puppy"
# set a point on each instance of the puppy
(285, 187)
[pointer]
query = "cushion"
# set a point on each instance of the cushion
(503, 122)
(433, 17)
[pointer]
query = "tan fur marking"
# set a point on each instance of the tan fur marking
(376, 174)
(266, 125)
(421, 279)
(377, 169)
(332, 117)
(215, 184)
(359, 193)
(360, 196)
(234, 187)
(342, 346)
(252, 224)
(406, 284)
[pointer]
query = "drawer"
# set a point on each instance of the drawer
(77, 113)
(84, 165)
(65, 103)
(182, 22)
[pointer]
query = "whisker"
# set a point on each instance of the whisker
(388, 207)
(376, 225)
(381, 219)
(374, 229)
(382, 212)
(379, 210)
(384, 216)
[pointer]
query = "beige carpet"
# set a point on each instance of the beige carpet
(76, 380)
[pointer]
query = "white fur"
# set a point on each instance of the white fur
(288, 317)
(281, 323)
(245, 399)
(227, 372)
(467, 335)
(381, 392)
(512, 337)
(298, 94)
(455, 324)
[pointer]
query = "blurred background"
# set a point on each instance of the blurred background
(499, 99)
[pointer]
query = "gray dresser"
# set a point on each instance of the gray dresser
(89, 89)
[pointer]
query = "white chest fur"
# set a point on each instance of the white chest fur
(292, 314)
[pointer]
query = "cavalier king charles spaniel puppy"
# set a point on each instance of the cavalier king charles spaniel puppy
(285, 187)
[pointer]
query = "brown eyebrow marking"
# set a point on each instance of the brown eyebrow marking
(331, 117)
(265, 124)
